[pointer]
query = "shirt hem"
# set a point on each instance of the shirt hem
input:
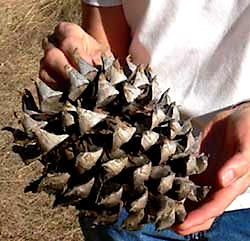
(110, 3)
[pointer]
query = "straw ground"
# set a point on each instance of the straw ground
(27, 216)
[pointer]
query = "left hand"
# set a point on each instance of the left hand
(226, 139)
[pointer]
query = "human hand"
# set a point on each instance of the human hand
(226, 139)
(68, 39)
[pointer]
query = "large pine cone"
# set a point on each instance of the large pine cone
(109, 144)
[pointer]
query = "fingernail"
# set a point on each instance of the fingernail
(228, 177)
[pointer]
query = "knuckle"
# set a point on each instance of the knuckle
(66, 29)
(69, 44)
(218, 212)
(60, 28)
(42, 75)
(47, 79)
(207, 227)
(246, 160)
(50, 56)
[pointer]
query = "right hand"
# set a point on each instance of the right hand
(67, 38)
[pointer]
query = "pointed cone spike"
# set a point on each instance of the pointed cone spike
(166, 183)
(196, 165)
(140, 175)
(180, 212)
(137, 161)
(106, 92)
(175, 129)
(116, 74)
(69, 107)
(49, 99)
(140, 77)
(139, 203)
(122, 134)
(158, 172)
(83, 66)
(109, 215)
(167, 150)
(165, 220)
(165, 217)
(149, 138)
(28, 103)
(180, 189)
(67, 119)
(85, 161)
(158, 117)
(202, 163)
(198, 193)
(118, 153)
(78, 83)
(131, 92)
(107, 61)
(193, 143)
(190, 143)
(81, 191)
(186, 127)
(155, 89)
(30, 125)
(174, 112)
(54, 183)
(114, 167)
(130, 67)
(88, 119)
(164, 99)
(113, 199)
(48, 140)
(132, 222)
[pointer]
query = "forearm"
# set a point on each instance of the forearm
(109, 27)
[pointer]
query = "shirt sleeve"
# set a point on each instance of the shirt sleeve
(103, 3)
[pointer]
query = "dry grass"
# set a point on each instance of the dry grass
(26, 216)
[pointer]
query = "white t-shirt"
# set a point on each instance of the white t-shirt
(198, 49)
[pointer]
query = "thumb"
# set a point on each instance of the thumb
(234, 168)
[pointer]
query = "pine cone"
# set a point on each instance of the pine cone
(109, 143)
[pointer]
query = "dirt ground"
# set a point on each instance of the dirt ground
(27, 216)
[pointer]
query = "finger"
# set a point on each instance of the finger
(85, 46)
(48, 75)
(46, 78)
(202, 227)
(54, 62)
(65, 29)
(216, 203)
(52, 80)
(72, 46)
(234, 169)
(238, 133)
(47, 45)
(72, 37)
